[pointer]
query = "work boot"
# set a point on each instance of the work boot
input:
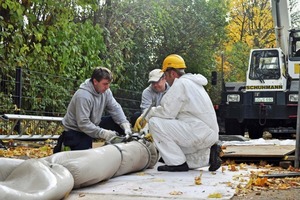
(214, 158)
(174, 168)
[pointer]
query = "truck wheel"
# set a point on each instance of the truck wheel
(255, 131)
(233, 127)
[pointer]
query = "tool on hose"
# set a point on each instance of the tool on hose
(117, 139)
(147, 111)
(130, 137)
(139, 133)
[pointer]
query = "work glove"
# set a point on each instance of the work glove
(107, 134)
(140, 123)
(149, 137)
(127, 128)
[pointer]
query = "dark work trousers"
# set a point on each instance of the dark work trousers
(75, 140)
(79, 141)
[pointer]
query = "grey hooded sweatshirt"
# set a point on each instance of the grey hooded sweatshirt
(86, 108)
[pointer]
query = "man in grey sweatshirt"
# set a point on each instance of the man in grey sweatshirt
(84, 113)
(154, 92)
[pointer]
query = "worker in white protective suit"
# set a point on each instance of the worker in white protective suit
(184, 127)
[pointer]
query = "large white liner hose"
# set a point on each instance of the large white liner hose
(53, 177)
(35, 180)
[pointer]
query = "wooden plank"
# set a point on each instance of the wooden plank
(281, 175)
(258, 150)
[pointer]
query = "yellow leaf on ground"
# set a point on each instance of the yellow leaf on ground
(176, 193)
(260, 182)
(215, 195)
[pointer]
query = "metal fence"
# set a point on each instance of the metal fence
(44, 96)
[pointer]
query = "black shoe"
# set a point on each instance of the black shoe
(174, 168)
(161, 160)
(214, 158)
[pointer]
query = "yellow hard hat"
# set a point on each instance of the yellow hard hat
(173, 61)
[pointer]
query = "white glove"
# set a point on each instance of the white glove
(107, 134)
(127, 128)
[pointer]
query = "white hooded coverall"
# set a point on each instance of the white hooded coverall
(184, 126)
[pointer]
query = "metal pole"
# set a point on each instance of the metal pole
(296, 162)
(18, 95)
(18, 89)
(222, 71)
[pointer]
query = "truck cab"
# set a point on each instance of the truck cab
(268, 100)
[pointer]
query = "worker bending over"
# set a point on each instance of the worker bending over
(83, 121)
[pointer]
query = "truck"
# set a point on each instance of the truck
(267, 102)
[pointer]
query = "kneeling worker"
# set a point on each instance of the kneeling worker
(84, 114)
(154, 92)
(184, 127)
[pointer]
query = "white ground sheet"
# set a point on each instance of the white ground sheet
(261, 141)
(152, 184)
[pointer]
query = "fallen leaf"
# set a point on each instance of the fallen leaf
(141, 174)
(260, 182)
(223, 169)
(176, 193)
(81, 195)
(158, 180)
(232, 168)
(215, 195)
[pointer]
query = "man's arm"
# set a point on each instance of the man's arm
(171, 103)
(115, 109)
(147, 97)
